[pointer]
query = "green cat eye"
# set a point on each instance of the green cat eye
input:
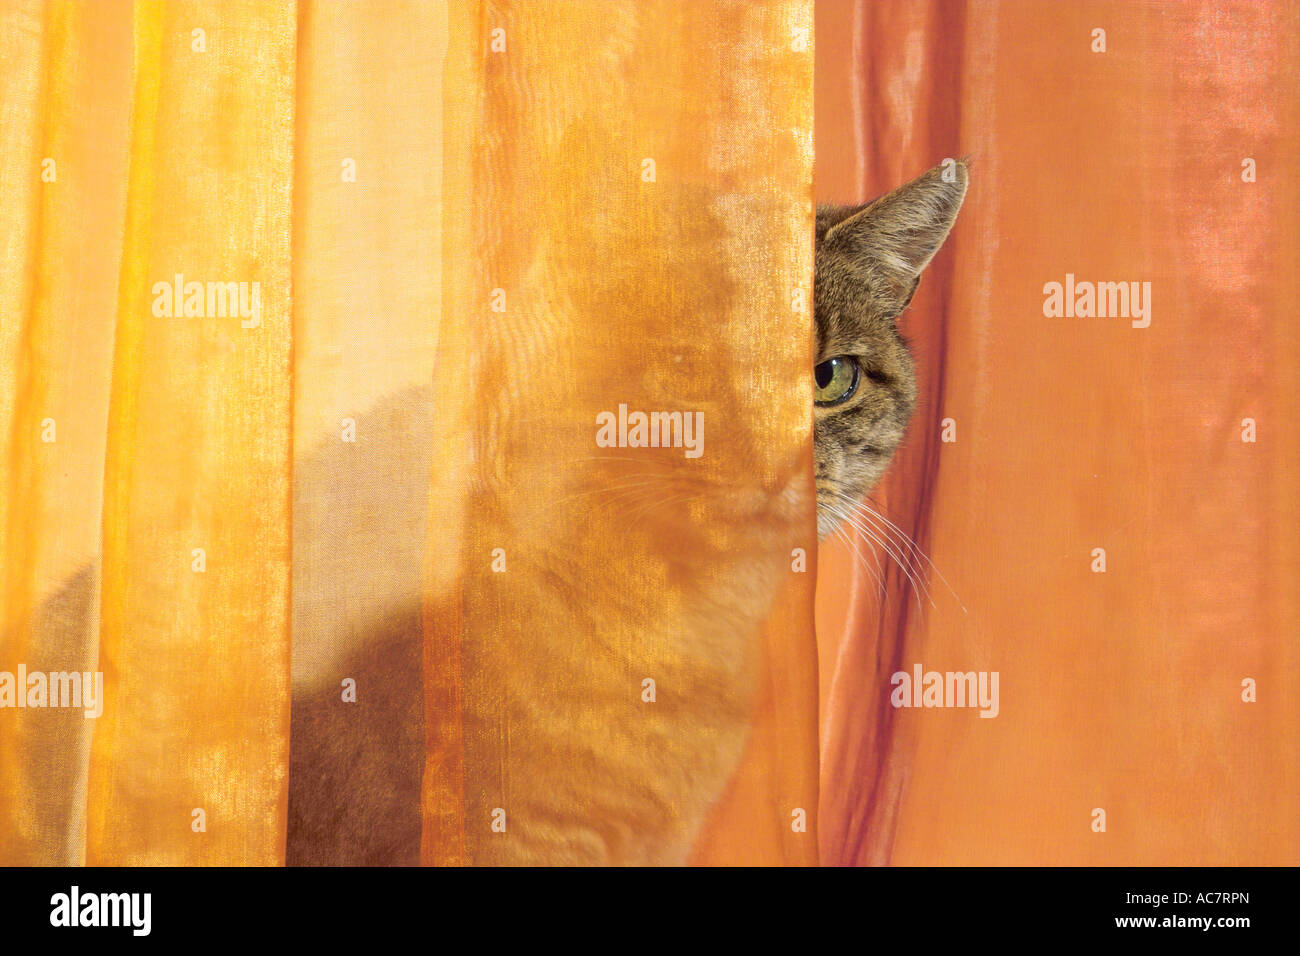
(836, 380)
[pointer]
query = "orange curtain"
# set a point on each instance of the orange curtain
(1113, 507)
(445, 237)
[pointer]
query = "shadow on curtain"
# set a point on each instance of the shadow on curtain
(311, 315)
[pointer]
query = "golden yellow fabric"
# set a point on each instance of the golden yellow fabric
(198, 458)
(58, 292)
(603, 271)
(379, 171)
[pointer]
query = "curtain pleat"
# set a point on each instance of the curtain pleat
(1168, 451)
(314, 326)
(368, 291)
(63, 173)
(188, 763)
(626, 249)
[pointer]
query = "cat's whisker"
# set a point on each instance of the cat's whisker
(869, 510)
(855, 517)
(880, 569)
(875, 509)
(636, 481)
(897, 550)
(906, 547)
(637, 494)
(904, 539)
(917, 587)
(915, 581)
(660, 463)
(660, 501)
(628, 497)
(915, 575)
(658, 491)
(618, 498)
(860, 560)
(638, 506)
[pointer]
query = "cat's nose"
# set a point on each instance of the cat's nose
(787, 488)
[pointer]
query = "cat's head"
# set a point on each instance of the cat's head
(868, 263)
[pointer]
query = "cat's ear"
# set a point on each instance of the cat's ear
(891, 239)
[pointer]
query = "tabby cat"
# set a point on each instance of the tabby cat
(868, 264)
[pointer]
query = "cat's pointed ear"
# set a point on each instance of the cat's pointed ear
(891, 239)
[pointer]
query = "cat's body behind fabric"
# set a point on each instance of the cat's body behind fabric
(555, 732)
(589, 773)
(616, 565)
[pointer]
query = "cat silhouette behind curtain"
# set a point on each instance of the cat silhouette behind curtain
(594, 779)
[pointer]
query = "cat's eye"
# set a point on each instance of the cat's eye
(836, 380)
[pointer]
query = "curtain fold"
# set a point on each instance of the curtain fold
(63, 173)
(302, 361)
(194, 632)
(1113, 512)
(628, 250)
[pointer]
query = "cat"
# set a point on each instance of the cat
(868, 265)
(355, 788)
(597, 781)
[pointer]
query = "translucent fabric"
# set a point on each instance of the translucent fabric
(310, 313)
